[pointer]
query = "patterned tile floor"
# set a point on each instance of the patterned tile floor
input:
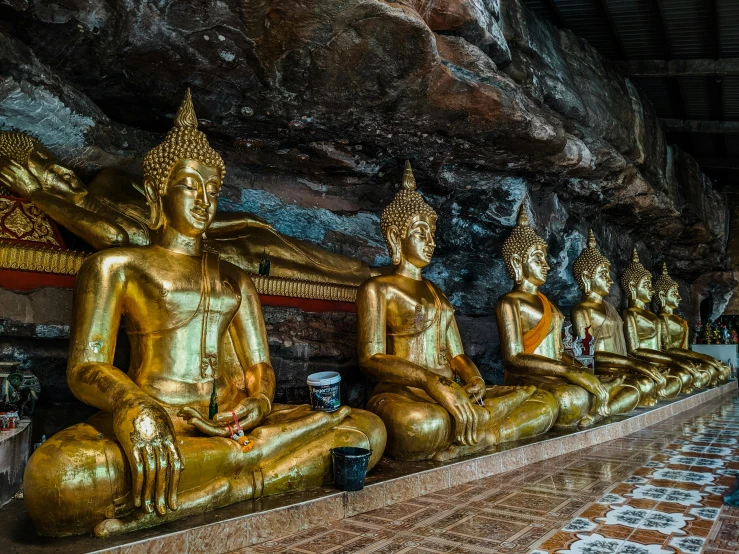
(654, 492)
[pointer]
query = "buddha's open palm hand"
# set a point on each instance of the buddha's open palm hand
(476, 388)
(457, 402)
(250, 412)
(145, 432)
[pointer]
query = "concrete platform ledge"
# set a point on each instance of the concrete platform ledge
(249, 523)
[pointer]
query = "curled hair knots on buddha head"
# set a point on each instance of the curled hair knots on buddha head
(521, 240)
(17, 146)
(663, 284)
(183, 142)
(588, 261)
(407, 204)
(633, 273)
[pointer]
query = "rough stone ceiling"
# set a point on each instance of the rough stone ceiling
(315, 104)
(684, 54)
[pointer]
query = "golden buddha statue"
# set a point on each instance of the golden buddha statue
(113, 211)
(409, 344)
(190, 426)
(596, 315)
(643, 329)
(675, 330)
(530, 328)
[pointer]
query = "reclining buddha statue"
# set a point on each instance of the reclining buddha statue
(595, 315)
(113, 211)
(530, 329)
(190, 426)
(675, 329)
(430, 395)
(643, 329)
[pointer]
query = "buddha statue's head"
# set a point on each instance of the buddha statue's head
(408, 224)
(666, 290)
(29, 166)
(637, 281)
(525, 252)
(592, 269)
(183, 176)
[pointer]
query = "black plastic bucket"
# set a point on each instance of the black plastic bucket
(350, 467)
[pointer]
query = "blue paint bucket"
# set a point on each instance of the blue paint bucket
(325, 391)
(350, 467)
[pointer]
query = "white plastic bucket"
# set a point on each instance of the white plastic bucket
(325, 391)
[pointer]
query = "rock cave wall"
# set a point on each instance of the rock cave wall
(315, 105)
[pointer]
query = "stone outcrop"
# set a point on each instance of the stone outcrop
(316, 104)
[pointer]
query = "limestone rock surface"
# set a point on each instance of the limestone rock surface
(316, 104)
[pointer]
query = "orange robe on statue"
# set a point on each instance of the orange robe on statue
(534, 337)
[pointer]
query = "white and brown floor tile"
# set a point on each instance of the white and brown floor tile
(657, 491)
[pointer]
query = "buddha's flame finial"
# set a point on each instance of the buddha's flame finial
(664, 268)
(592, 243)
(635, 256)
(523, 216)
(409, 181)
(186, 118)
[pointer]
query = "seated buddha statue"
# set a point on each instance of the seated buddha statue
(530, 328)
(595, 315)
(113, 211)
(190, 426)
(643, 329)
(430, 395)
(675, 330)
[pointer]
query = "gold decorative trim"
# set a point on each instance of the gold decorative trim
(297, 288)
(29, 258)
(67, 262)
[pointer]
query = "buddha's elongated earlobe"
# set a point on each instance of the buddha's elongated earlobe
(586, 282)
(154, 200)
(517, 265)
(395, 244)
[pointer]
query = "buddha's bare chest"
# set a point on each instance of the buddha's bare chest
(675, 333)
(408, 315)
(163, 300)
(597, 319)
(532, 314)
(646, 325)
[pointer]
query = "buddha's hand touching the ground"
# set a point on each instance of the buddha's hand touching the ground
(591, 384)
(660, 383)
(457, 402)
(145, 432)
